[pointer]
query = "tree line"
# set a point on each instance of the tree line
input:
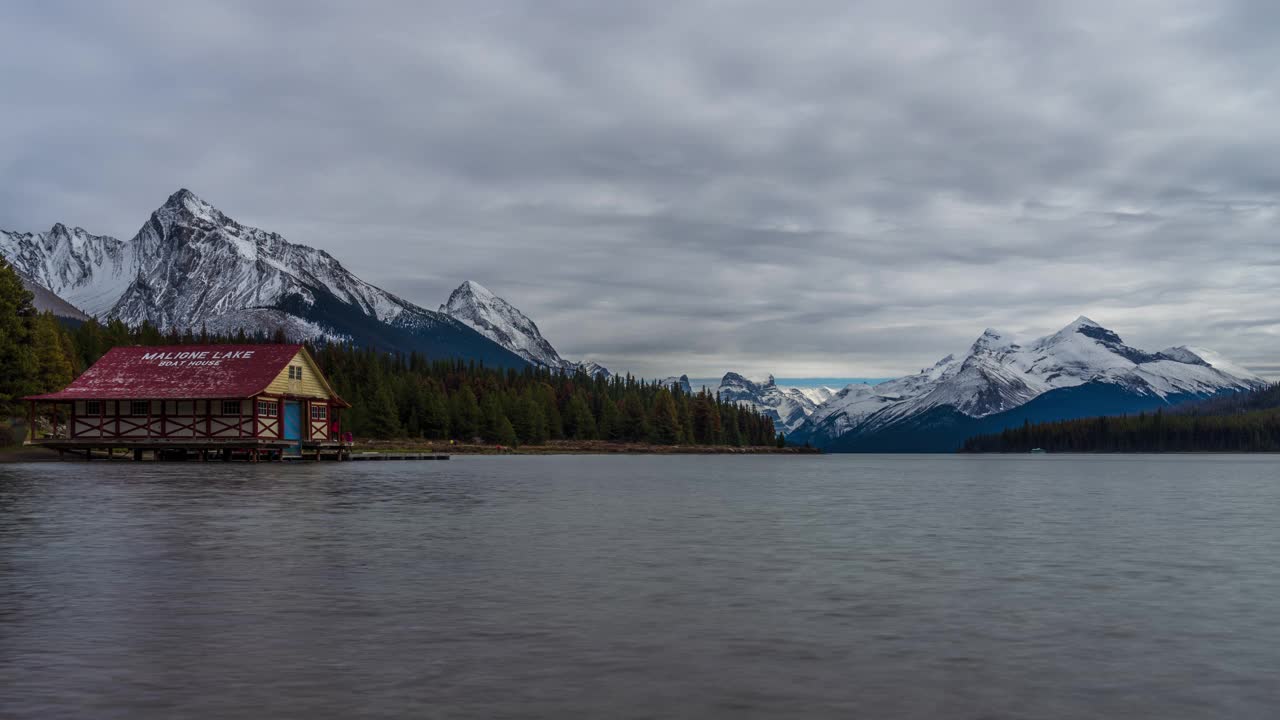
(398, 395)
(1240, 422)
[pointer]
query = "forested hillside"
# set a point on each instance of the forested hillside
(1240, 422)
(403, 396)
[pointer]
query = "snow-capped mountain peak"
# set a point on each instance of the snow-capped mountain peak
(594, 369)
(484, 311)
(998, 374)
(191, 266)
(1204, 356)
(500, 321)
(789, 407)
(991, 340)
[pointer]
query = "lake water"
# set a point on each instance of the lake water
(644, 587)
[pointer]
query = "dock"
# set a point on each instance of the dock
(397, 456)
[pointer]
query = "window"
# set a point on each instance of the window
(92, 407)
(138, 407)
(230, 407)
(267, 408)
(295, 372)
(319, 412)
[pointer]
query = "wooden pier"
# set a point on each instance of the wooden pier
(397, 456)
(241, 450)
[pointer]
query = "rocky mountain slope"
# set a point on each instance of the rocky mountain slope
(789, 407)
(500, 321)
(997, 375)
(191, 266)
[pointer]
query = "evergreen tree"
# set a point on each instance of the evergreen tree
(706, 420)
(684, 410)
(53, 357)
(579, 423)
(610, 426)
(664, 423)
(17, 360)
(435, 415)
(635, 426)
(464, 414)
(529, 422)
(380, 417)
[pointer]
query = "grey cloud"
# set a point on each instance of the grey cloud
(821, 188)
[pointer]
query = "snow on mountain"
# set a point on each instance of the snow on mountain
(89, 271)
(500, 321)
(789, 407)
(493, 317)
(998, 374)
(195, 264)
(594, 369)
(191, 266)
(1190, 354)
(682, 382)
(817, 395)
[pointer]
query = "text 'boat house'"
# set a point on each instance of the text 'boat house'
(250, 401)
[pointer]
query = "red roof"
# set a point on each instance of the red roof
(173, 372)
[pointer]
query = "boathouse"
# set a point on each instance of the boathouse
(245, 401)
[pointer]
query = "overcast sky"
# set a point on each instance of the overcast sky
(805, 188)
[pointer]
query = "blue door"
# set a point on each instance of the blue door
(293, 426)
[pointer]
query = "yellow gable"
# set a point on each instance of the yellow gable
(301, 378)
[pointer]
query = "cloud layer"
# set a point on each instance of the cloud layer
(811, 188)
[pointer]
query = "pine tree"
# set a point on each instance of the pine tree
(635, 426)
(53, 362)
(528, 420)
(17, 360)
(579, 423)
(435, 415)
(664, 422)
(610, 426)
(492, 419)
(685, 413)
(380, 417)
(464, 414)
(706, 420)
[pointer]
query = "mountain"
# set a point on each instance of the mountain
(88, 271)
(595, 369)
(191, 266)
(681, 382)
(789, 407)
(500, 321)
(817, 395)
(1239, 422)
(44, 299)
(1083, 369)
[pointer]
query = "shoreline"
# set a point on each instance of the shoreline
(25, 454)
(574, 447)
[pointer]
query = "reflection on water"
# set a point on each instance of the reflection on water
(562, 587)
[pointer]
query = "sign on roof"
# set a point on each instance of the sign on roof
(189, 358)
(180, 372)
